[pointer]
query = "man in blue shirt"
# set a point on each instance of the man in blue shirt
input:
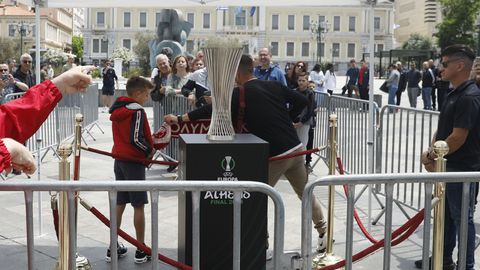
(352, 77)
(267, 71)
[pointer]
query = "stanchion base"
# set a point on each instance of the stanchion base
(82, 263)
(325, 259)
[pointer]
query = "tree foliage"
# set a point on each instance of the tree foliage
(459, 22)
(418, 42)
(142, 50)
(77, 46)
(9, 48)
(55, 56)
(123, 53)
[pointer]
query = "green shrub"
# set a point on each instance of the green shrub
(96, 73)
(133, 72)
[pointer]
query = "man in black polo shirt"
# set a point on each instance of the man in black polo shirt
(459, 126)
(266, 116)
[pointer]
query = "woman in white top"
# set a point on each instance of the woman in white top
(330, 79)
(316, 76)
(179, 76)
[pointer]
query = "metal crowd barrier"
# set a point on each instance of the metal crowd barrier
(13, 96)
(401, 138)
(153, 187)
(352, 115)
(389, 180)
(177, 104)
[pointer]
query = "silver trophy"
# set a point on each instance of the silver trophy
(222, 59)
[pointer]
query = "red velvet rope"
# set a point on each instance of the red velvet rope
(294, 154)
(139, 245)
(398, 236)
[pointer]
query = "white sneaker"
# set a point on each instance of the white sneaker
(269, 254)
(322, 243)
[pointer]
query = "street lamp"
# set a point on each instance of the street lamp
(318, 28)
(23, 29)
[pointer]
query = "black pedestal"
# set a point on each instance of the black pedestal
(244, 158)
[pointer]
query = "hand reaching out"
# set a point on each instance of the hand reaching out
(20, 156)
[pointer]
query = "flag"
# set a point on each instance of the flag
(238, 11)
(252, 11)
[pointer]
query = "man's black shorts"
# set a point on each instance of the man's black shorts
(108, 91)
(125, 170)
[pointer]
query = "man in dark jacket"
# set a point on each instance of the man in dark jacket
(402, 82)
(266, 116)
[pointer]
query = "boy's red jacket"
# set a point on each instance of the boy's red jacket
(132, 137)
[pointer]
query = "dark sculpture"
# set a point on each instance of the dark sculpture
(172, 33)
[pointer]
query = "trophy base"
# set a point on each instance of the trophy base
(220, 138)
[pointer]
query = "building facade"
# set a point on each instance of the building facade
(286, 30)
(416, 16)
(18, 22)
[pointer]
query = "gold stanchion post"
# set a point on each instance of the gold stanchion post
(64, 152)
(328, 258)
(441, 149)
(82, 262)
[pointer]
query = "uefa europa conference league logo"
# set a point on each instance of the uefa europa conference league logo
(225, 197)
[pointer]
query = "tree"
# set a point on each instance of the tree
(77, 46)
(123, 53)
(55, 57)
(418, 42)
(9, 48)
(458, 25)
(142, 51)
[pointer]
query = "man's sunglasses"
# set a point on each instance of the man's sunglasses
(26, 62)
(2, 70)
(446, 63)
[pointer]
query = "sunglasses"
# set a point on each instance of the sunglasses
(446, 63)
(26, 62)
(300, 66)
(3, 70)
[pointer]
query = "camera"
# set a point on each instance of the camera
(4, 77)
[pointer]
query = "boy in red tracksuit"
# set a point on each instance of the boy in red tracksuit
(131, 139)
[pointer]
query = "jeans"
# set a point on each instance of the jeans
(392, 93)
(413, 95)
(453, 205)
(427, 98)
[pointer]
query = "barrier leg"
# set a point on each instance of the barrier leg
(64, 174)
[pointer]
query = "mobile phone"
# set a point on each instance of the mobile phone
(207, 93)
(4, 77)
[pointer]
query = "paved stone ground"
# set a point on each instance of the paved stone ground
(93, 236)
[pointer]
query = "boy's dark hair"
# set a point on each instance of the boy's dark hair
(246, 65)
(137, 83)
(303, 74)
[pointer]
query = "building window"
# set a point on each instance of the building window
(336, 23)
(291, 22)
(290, 48)
(11, 30)
(379, 47)
(104, 46)
(321, 49)
(321, 19)
(127, 43)
(376, 23)
(96, 45)
(158, 17)
(351, 50)
(126, 19)
(306, 23)
(351, 23)
(275, 22)
(191, 19)
(101, 18)
(305, 49)
(274, 48)
(206, 20)
(143, 19)
(190, 46)
(240, 18)
(336, 49)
